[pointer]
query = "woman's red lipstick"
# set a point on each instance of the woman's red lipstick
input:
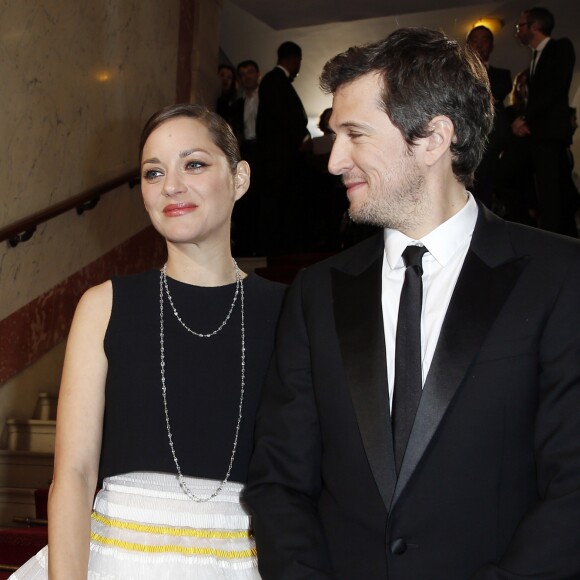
(178, 209)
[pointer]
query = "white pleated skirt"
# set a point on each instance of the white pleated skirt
(144, 526)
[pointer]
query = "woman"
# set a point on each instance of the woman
(518, 96)
(161, 381)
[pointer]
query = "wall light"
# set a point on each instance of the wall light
(103, 76)
(494, 24)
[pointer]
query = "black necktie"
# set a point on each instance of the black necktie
(408, 378)
(533, 63)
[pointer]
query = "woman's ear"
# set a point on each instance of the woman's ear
(242, 178)
(441, 136)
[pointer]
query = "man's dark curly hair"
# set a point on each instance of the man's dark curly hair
(424, 74)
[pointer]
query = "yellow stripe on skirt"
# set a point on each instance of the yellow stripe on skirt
(143, 526)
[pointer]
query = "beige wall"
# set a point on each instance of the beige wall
(207, 23)
(243, 36)
(78, 80)
(19, 396)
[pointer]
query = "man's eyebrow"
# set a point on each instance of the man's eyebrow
(355, 125)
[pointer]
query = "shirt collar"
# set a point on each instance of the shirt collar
(442, 243)
(285, 71)
(542, 44)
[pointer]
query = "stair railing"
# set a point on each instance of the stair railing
(22, 230)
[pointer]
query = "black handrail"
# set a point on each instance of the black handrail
(23, 229)
(30, 522)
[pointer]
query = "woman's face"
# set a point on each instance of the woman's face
(188, 186)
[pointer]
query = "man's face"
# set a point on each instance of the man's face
(481, 41)
(524, 32)
(226, 78)
(384, 181)
(249, 77)
(294, 65)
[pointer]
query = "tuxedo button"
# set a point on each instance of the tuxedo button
(398, 547)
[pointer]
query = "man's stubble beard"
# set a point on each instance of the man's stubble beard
(401, 206)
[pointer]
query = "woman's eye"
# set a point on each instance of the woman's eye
(195, 165)
(152, 174)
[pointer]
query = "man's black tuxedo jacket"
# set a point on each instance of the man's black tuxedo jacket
(500, 81)
(237, 118)
(281, 121)
(489, 488)
(547, 113)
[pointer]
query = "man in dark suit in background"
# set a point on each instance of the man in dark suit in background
(546, 118)
(282, 136)
(480, 39)
(245, 109)
(420, 418)
(244, 114)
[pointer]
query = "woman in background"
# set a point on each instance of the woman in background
(161, 381)
(516, 190)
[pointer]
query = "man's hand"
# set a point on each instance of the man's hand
(520, 128)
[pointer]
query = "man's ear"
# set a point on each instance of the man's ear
(242, 178)
(441, 136)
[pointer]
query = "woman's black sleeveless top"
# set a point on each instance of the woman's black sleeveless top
(203, 376)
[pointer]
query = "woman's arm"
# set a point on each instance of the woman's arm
(78, 436)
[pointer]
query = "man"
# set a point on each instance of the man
(546, 118)
(282, 136)
(281, 121)
(480, 477)
(571, 196)
(229, 92)
(480, 39)
(244, 112)
(245, 109)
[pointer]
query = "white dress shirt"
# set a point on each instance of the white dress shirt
(447, 247)
(250, 114)
(539, 50)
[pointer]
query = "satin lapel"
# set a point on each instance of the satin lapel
(480, 293)
(359, 325)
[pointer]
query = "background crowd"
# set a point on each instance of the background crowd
(295, 205)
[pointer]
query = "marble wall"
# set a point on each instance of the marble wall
(29, 335)
(79, 80)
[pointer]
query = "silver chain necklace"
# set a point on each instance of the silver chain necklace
(239, 288)
(201, 334)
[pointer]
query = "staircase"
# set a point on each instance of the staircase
(26, 463)
(26, 466)
(284, 268)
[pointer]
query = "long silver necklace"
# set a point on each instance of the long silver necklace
(239, 289)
